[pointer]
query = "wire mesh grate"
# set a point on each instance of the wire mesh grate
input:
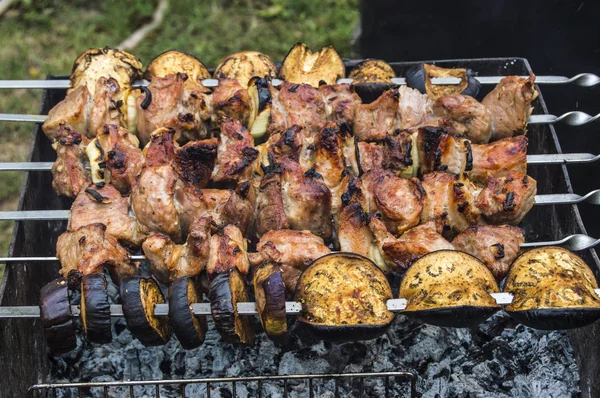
(348, 385)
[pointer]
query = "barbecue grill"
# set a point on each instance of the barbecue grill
(42, 217)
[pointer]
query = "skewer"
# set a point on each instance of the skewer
(247, 308)
(576, 242)
(558, 158)
(573, 118)
(582, 80)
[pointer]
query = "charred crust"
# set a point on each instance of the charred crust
(469, 156)
(499, 251)
(194, 163)
(147, 99)
(97, 196)
(509, 204)
(272, 168)
(293, 88)
(99, 147)
(312, 173)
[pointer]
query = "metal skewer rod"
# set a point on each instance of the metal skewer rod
(582, 80)
(558, 158)
(247, 308)
(46, 215)
(573, 118)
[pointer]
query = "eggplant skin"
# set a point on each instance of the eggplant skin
(225, 291)
(190, 329)
(95, 308)
(245, 65)
(556, 318)
(138, 296)
(372, 71)
(302, 66)
(416, 77)
(56, 317)
(269, 292)
(344, 298)
(464, 316)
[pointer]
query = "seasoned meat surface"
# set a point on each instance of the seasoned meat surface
(374, 121)
(462, 114)
(236, 153)
(72, 113)
(228, 250)
(69, 174)
(496, 245)
(297, 104)
(340, 102)
(88, 249)
(270, 213)
(330, 161)
(506, 200)
(230, 101)
(414, 108)
(499, 158)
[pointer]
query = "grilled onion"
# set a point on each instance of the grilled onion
(225, 291)
(56, 317)
(245, 65)
(553, 289)
(269, 292)
(260, 106)
(95, 308)
(449, 288)
(172, 62)
(190, 329)
(344, 297)
(420, 76)
(139, 295)
(301, 65)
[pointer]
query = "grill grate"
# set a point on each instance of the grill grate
(347, 384)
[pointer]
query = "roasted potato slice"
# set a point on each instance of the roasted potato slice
(344, 297)
(301, 65)
(172, 62)
(105, 62)
(420, 77)
(553, 289)
(449, 288)
(245, 65)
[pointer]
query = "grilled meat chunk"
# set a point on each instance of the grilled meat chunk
(69, 174)
(400, 253)
(106, 205)
(414, 108)
(231, 100)
(306, 200)
(297, 104)
(374, 121)
(170, 261)
(292, 144)
(194, 162)
(294, 251)
(123, 158)
(509, 104)
(236, 153)
(88, 249)
(330, 160)
(176, 102)
(340, 102)
(439, 150)
(228, 250)
(270, 212)
(464, 115)
(398, 202)
(496, 245)
(499, 158)
(450, 201)
(506, 200)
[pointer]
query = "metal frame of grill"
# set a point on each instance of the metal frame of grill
(22, 280)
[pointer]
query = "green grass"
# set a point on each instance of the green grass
(43, 37)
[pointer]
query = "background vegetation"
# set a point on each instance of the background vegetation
(44, 37)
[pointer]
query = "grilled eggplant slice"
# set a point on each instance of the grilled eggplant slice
(269, 292)
(420, 76)
(344, 297)
(138, 296)
(260, 106)
(301, 65)
(95, 308)
(244, 66)
(225, 291)
(553, 289)
(190, 329)
(105, 62)
(172, 62)
(372, 71)
(56, 317)
(449, 288)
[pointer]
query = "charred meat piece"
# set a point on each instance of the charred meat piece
(270, 213)
(370, 155)
(400, 253)
(506, 200)
(306, 200)
(195, 161)
(464, 115)
(340, 102)
(123, 158)
(107, 206)
(499, 158)
(228, 250)
(301, 65)
(231, 100)
(374, 121)
(236, 153)
(439, 150)
(449, 201)
(170, 261)
(69, 174)
(398, 202)
(497, 246)
(88, 250)
(174, 101)
(293, 144)
(509, 104)
(298, 104)
(330, 160)
(245, 65)
(293, 250)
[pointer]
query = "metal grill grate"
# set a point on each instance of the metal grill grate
(348, 385)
